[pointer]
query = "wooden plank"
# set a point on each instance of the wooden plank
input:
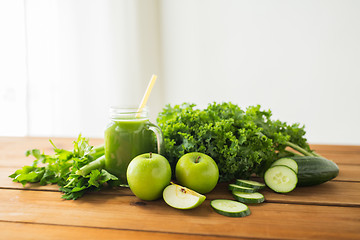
(340, 154)
(42, 142)
(330, 193)
(13, 149)
(18, 159)
(61, 142)
(322, 148)
(348, 173)
(268, 220)
(343, 158)
(10, 230)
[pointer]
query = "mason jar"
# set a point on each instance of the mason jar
(129, 134)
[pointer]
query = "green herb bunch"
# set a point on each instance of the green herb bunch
(62, 167)
(242, 143)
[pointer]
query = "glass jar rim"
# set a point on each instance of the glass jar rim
(128, 112)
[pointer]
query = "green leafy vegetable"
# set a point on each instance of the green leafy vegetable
(241, 142)
(63, 167)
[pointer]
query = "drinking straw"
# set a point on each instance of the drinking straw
(146, 95)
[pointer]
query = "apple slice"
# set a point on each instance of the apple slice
(180, 197)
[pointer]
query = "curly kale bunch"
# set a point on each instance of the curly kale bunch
(242, 143)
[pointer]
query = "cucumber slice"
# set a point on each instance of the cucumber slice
(281, 179)
(250, 184)
(287, 162)
(230, 208)
(248, 197)
(233, 187)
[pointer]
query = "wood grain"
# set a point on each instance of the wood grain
(341, 158)
(348, 173)
(322, 148)
(13, 149)
(10, 158)
(327, 211)
(330, 193)
(30, 231)
(268, 220)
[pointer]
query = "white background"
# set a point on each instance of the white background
(63, 63)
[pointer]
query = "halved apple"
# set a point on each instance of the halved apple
(180, 197)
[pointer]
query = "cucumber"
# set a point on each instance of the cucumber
(291, 163)
(250, 184)
(233, 187)
(315, 170)
(230, 208)
(281, 179)
(248, 197)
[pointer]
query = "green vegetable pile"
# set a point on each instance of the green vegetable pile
(241, 142)
(63, 168)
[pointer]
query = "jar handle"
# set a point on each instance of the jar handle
(159, 137)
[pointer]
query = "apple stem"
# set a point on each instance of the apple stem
(150, 154)
(197, 159)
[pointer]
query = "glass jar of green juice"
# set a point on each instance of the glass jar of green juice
(129, 134)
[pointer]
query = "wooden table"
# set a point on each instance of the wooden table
(327, 211)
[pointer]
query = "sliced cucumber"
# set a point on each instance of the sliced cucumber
(281, 179)
(235, 187)
(250, 184)
(230, 208)
(248, 197)
(287, 162)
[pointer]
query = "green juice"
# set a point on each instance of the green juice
(124, 140)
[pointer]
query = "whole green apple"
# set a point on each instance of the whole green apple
(197, 171)
(147, 175)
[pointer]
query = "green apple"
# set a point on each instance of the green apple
(197, 171)
(147, 175)
(180, 197)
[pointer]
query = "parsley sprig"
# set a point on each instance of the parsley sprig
(62, 167)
